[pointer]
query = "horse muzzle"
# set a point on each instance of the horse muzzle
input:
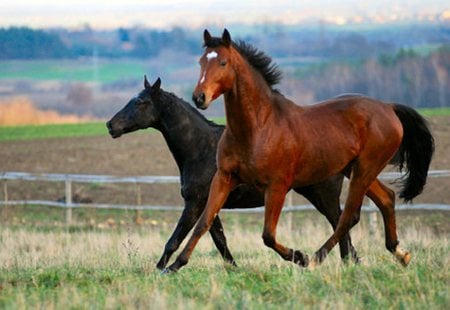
(113, 132)
(200, 101)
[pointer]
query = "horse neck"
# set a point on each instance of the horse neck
(247, 105)
(183, 128)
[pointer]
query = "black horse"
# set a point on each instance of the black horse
(193, 139)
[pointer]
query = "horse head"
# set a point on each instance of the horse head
(216, 70)
(139, 113)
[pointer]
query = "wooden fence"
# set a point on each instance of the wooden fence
(68, 204)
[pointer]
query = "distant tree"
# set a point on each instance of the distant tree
(124, 35)
(405, 77)
(26, 43)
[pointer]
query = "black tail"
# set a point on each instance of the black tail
(416, 151)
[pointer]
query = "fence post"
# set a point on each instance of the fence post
(68, 189)
(288, 203)
(138, 215)
(373, 219)
(5, 199)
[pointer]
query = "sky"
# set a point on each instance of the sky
(106, 14)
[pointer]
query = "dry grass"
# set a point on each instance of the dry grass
(114, 268)
(21, 111)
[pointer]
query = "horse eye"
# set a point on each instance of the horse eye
(223, 63)
(139, 101)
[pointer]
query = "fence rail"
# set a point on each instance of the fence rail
(68, 179)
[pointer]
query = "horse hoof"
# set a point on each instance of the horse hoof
(404, 257)
(167, 271)
(300, 259)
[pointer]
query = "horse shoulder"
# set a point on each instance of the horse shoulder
(228, 160)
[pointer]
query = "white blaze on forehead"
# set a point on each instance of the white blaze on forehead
(211, 55)
(203, 78)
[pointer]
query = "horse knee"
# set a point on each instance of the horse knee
(355, 219)
(268, 239)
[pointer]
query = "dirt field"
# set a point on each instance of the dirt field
(144, 153)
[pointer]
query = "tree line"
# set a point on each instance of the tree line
(405, 77)
(375, 62)
(277, 41)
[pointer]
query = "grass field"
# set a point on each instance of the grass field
(31, 132)
(52, 267)
(73, 70)
(104, 261)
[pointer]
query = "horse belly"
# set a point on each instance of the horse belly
(322, 163)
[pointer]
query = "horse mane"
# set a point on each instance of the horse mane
(260, 61)
(187, 106)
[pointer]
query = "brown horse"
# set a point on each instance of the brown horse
(271, 142)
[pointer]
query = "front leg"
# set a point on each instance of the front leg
(221, 186)
(274, 200)
(189, 217)
(220, 241)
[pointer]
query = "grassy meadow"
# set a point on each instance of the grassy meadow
(113, 266)
(73, 70)
(31, 132)
(104, 261)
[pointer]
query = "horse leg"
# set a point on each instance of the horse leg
(220, 241)
(221, 186)
(384, 198)
(190, 215)
(364, 172)
(274, 199)
(325, 197)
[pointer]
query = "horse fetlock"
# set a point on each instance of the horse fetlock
(318, 258)
(162, 263)
(403, 256)
(299, 258)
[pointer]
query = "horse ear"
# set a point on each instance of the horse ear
(206, 37)
(146, 83)
(226, 38)
(157, 84)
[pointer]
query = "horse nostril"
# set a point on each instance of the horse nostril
(199, 100)
(202, 97)
(108, 125)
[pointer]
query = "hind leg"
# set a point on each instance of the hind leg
(364, 172)
(325, 197)
(384, 198)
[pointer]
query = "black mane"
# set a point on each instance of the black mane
(165, 96)
(256, 58)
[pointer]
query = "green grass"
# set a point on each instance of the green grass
(32, 132)
(73, 70)
(115, 268)
(435, 111)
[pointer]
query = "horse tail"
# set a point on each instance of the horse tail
(416, 151)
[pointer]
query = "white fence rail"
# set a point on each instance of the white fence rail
(68, 179)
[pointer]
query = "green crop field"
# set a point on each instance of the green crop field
(73, 70)
(31, 132)
(10, 133)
